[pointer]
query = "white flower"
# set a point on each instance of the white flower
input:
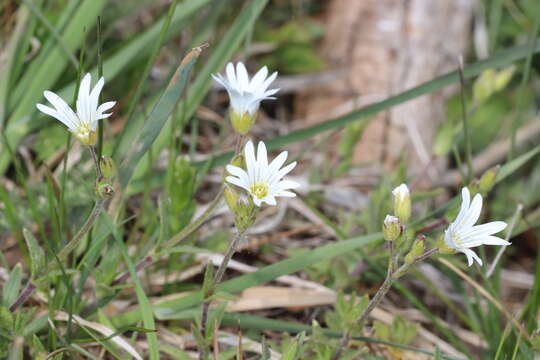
(83, 123)
(462, 235)
(260, 179)
(401, 191)
(246, 95)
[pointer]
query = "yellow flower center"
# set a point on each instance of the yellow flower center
(85, 134)
(260, 190)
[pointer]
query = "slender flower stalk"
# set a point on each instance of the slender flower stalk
(261, 180)
(246, 95)
(462, 234)
(83, 123)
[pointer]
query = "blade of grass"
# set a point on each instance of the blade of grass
(220, 54)
(7, 60)
(523, 87)
(501, 59)
(158, 116)
(142, 299)
(144, 75)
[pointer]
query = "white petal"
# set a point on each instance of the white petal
(231, 76)
(262, 161)
(474, 212)
(471, 255)
(257, 201)
(494, 240)
(63, 109)
(269, 93)
(251, 164)
(270, 200)
(281, 173)
(466, 199)
(286, 193)
(236, 181)
(268, 81)
(97, 89)
(278, 162)
(286, 184)
(484, 229)
(242, 76)
(258, 79)
(51, 112)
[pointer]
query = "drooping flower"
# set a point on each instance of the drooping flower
(402, 203)
(462, 234)
(261, 180)
(83, 123)
(245, 95)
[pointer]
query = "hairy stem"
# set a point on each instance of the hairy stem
(217, 279)
(72, 244)
(392, 275)
(25, 294)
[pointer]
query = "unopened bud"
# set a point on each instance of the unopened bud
(238, 161)
(106, 165)
(104, 189)
(416, 251)
(242, 123)
(487, 180)
(391, 228)
(245, 214)
(231, 197)
(402, 203)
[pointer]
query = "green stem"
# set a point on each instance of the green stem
(217, 279)
(189, 229)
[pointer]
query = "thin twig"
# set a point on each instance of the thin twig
(491, 269)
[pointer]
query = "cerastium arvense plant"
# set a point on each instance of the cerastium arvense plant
(405, 252)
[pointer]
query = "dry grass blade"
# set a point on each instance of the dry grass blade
(118, 340)
(488, 296)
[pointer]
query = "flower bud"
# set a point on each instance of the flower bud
(103, 189)
(238, 161)
(391, 228)
(106, 165)
(242, 123)
(487, 181)
(245, 212)
(402, 203)
(231, 197)
(416, 251)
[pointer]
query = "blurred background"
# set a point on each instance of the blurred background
(344, 112)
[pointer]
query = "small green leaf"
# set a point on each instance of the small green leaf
(37, 255)
(10, 292)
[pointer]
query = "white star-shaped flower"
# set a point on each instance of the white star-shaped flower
(83, 123)
(246, 95)
(261, 180)
(462, 234)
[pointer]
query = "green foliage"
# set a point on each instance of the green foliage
(294, 51)
(180, 188)
(347, 312)
(399, 331)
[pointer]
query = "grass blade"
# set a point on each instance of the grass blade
(159, 115)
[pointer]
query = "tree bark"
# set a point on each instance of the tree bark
(389, 46)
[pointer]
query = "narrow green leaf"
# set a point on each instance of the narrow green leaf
(11, 288)
(269, 273)
(501, 59)
(158, 117)
(37, 255)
